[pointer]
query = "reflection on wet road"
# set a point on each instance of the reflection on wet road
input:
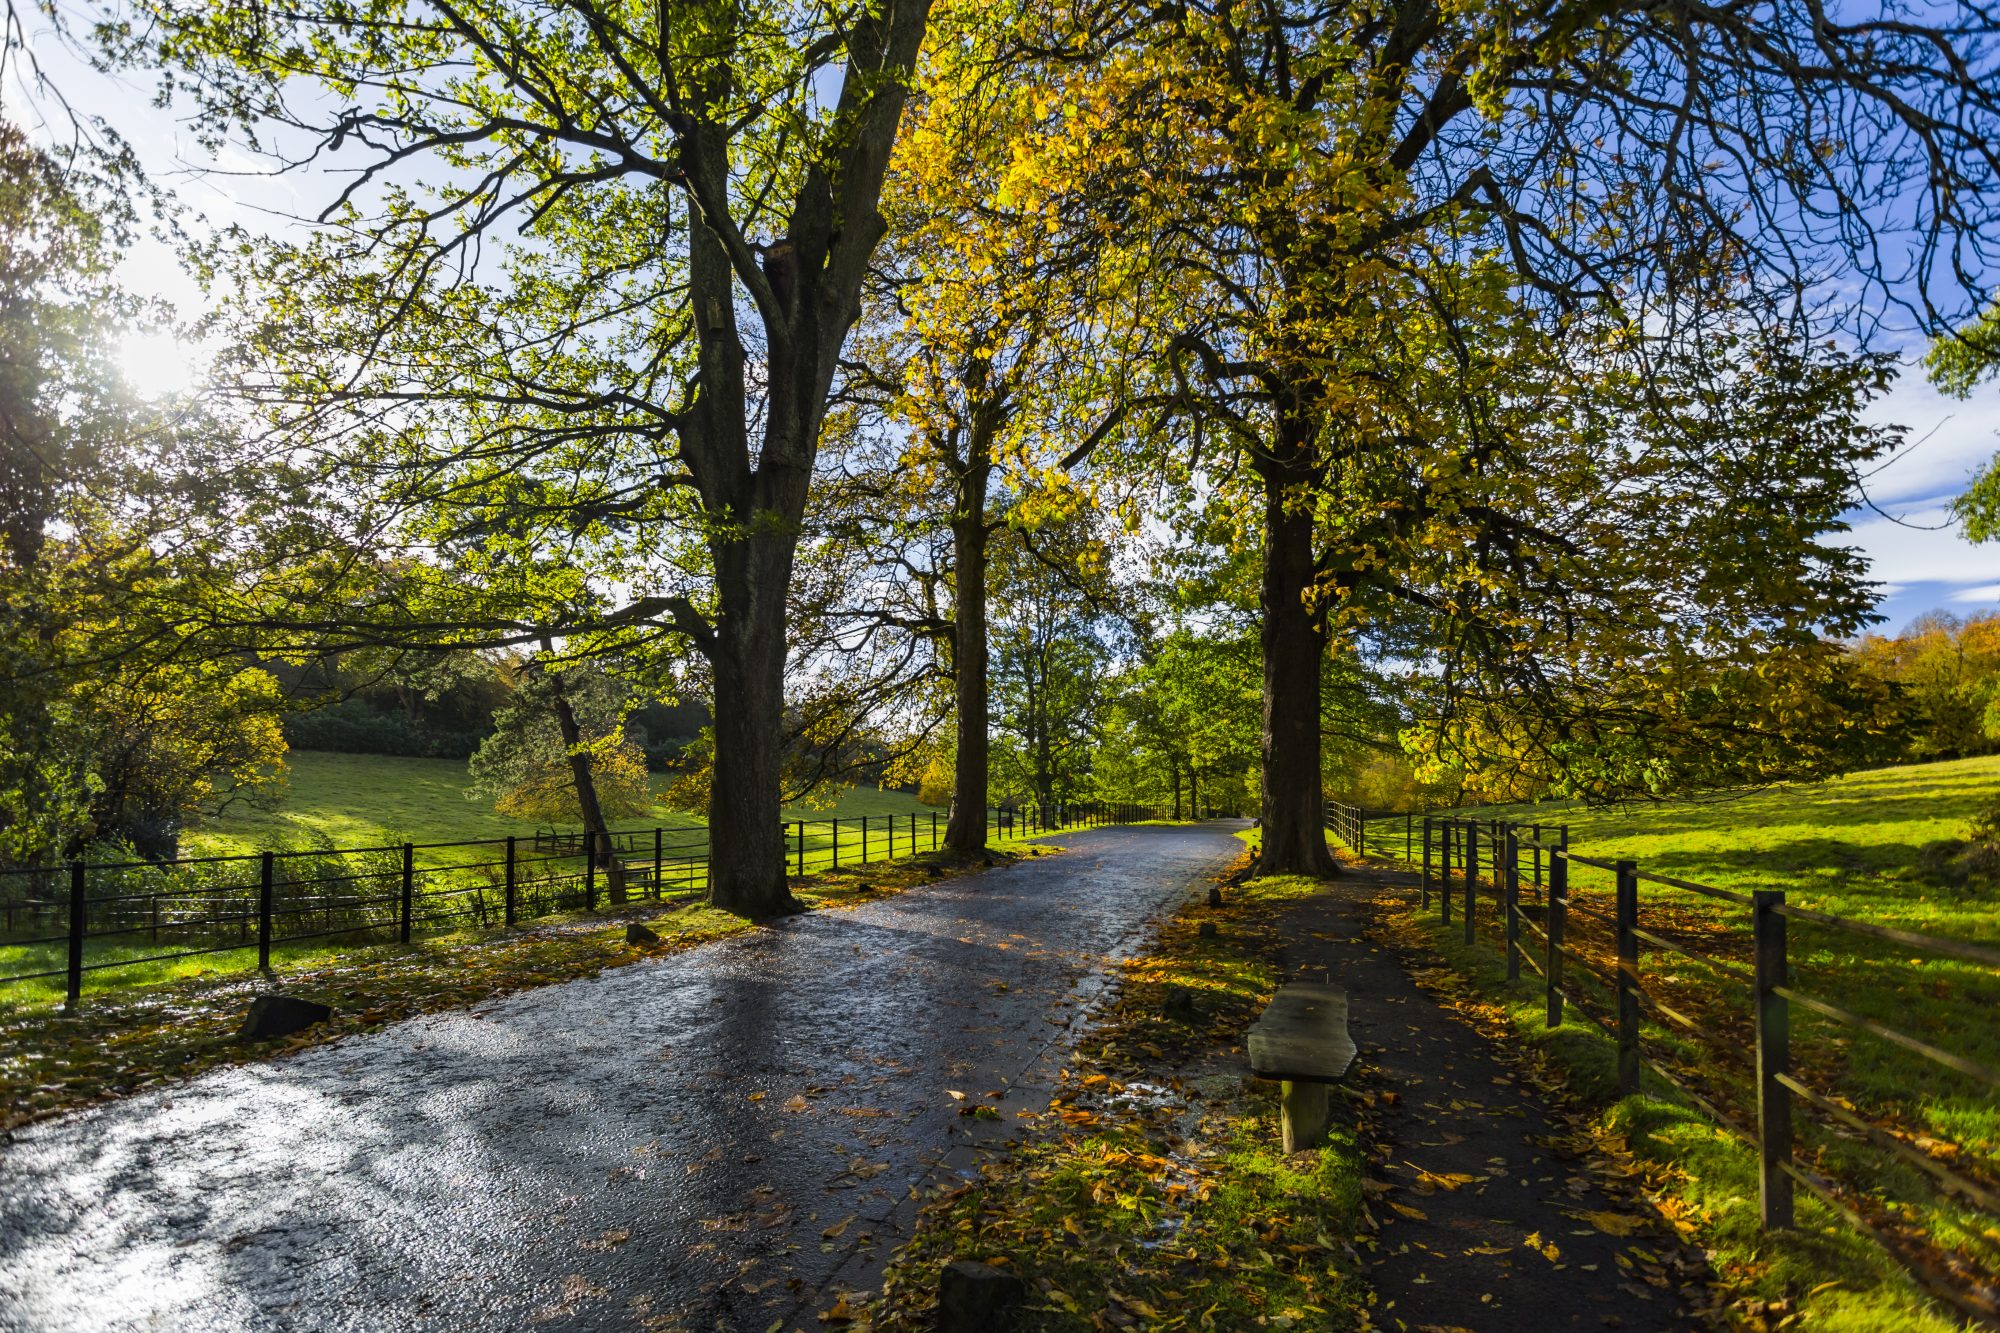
(716, 1138)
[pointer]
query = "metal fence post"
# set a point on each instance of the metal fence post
(79, 913)
(1471, 877)
(836, 842)
(265, 874)
(802, 848)
(409, 891)
(1510, 890)
(864, 840)
(1628, 978)
(934, 831)
(1774, 1058)
(1558, 912)
(659, 847)
(512, 876)
(589, 876)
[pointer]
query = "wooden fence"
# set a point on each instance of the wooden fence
(1513, 883)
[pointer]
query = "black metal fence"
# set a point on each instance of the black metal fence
(1596, 952)
(68, 922)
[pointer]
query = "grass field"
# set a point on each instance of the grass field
(360, 800)
(153, 927)
(1851, 846)
(1866, 847)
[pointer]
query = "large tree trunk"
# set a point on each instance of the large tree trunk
(967, 830)
(806, 288)
(1294, 839)
(746, 834)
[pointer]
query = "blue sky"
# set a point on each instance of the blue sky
(1930, 565)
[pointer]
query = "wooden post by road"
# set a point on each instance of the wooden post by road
(1774, 1060)
(1628, 978)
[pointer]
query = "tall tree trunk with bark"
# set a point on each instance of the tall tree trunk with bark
(805, 288)
(969, 534)
(745, 816)
(1294, 642)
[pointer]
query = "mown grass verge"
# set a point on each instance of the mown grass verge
(1152, 1193)
(139, 1037)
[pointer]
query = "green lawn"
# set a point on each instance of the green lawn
(1849, 846)
(1855, 847)
(358, 800)
(327, 904)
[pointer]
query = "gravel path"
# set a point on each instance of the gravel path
(722, 1138)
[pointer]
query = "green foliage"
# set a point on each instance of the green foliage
(1051, 652)
(526, 767)
(1958, 360)
(1944, 675)
(163, 748)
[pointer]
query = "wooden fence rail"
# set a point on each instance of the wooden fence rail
(1464, 864)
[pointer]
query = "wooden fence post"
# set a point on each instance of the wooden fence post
(1444, 872)
(79, 915)
(659, 847)
(1510, 891)
(1425, 882)
(1557, 899)
(1628, 978)
(589, 875)
(836, 842)
(265, 875)
(512, 877)
(934, 831)
(409, 892)
(1471, 877)
(1774, 1058)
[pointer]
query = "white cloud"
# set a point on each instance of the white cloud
(1950, 440)
(1926, 553)
(1989, 592)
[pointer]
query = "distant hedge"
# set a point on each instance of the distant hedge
(351, 726)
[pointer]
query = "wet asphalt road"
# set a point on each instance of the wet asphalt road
(721, 1138)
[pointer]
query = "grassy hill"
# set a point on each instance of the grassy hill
(361, 800)
(1853, 846)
